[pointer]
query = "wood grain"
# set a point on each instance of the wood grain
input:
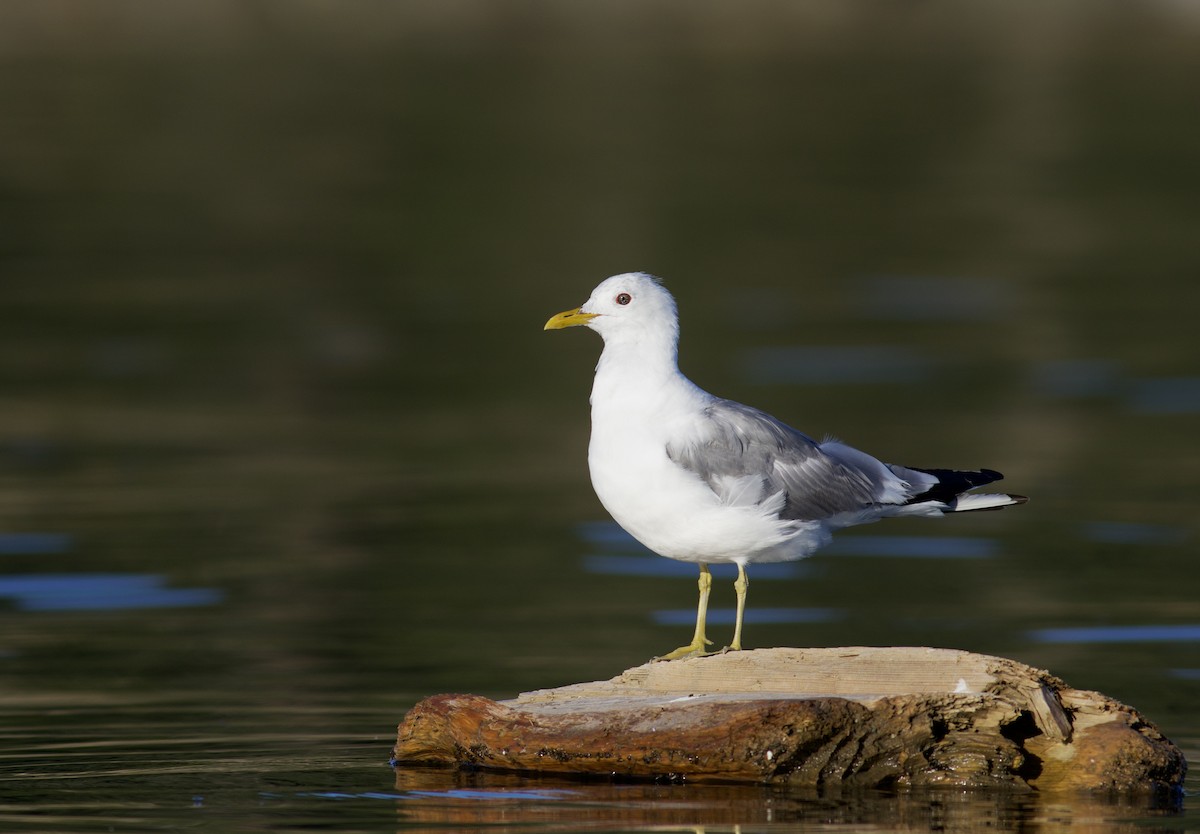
(862, 716)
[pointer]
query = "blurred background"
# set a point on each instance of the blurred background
(280, 431)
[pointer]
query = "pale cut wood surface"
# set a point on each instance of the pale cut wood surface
(860, 670)
(862, 716)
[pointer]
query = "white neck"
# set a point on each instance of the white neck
(639, 376)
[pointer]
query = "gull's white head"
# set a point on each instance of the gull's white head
(630, 306)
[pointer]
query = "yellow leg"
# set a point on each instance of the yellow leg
(739, 587)
(699, 641)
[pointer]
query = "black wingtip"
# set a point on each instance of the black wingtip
(952, 483)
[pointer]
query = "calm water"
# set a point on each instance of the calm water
(283, 448)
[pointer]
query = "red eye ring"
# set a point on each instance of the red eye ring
(624, 298)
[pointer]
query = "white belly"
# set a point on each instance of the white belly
(674, 513)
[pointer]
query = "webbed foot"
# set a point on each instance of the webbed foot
(696, 648)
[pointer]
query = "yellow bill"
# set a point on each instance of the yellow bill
(568, 318)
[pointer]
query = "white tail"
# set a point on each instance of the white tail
(985, 501)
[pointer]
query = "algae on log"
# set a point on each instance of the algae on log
(817, 717)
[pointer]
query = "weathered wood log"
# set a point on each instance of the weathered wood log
(876, 717)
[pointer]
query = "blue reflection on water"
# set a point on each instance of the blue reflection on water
(659, 566)
(934, 298)
(727, 616)
(459, 793)
(340, 795)
(1069, 378)
(610, 536)
(1116, 532)
(99, 592)
(1079, 378)
(1175, 395)
(914, 547)
(454, 793)
(1119, 634)
(33, 543)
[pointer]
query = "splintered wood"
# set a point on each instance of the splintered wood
(877, 717)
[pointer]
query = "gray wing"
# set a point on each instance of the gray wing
(747, 457)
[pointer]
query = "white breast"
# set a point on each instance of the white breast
(666, 507)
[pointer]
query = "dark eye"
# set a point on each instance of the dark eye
(624, 298)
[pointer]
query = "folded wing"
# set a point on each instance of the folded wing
(749, 457)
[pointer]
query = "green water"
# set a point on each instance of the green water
(284, 449)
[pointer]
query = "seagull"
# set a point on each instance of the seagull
(707, 480)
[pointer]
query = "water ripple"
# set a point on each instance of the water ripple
(1119, 634)
(100, 592)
